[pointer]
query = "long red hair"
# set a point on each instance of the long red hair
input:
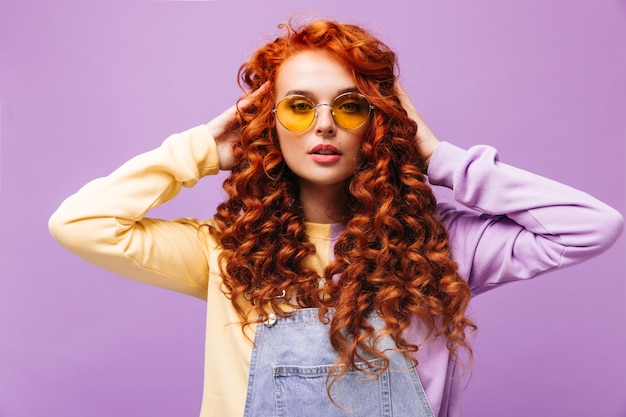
(393, 257)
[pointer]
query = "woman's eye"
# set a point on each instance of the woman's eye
(300, 106)
(350, 107)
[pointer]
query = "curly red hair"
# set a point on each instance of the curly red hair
(393, 257)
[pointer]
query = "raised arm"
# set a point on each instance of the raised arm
(516, 224)
(520, 224)
(105, 223)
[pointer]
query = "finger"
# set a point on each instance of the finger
(424, 132)
(248, 101)
(400, 89)
(405, 100)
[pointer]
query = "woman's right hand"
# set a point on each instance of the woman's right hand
(225, 128)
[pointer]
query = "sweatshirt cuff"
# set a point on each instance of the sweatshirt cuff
(445, 161)
(212, 162)
(189, 156)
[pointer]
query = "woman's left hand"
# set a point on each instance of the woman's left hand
(426, 140)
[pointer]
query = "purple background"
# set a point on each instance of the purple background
(86, 85)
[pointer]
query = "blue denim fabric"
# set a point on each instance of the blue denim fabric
(288, 373)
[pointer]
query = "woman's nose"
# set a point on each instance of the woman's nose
(325, 124)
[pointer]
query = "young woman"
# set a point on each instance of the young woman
(335, 284)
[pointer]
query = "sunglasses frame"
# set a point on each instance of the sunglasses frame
(315, 106)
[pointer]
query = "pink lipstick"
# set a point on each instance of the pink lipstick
(325, 153)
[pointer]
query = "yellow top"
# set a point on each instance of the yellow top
(104, 223)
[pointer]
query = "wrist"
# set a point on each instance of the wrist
(427, 149)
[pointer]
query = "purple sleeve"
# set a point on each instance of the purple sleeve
(516, 225)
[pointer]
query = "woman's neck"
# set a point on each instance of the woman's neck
(323, 204)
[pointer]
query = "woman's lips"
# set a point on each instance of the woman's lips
(325, 153)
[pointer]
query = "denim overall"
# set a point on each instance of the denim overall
(292, 358)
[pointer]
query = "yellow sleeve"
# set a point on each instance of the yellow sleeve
(104, 221)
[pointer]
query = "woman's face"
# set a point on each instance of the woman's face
(324, 154)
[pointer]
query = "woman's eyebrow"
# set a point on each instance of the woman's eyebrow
(298, 92)
(348, 90)
(310, 93)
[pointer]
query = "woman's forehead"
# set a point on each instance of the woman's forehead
(314, 72)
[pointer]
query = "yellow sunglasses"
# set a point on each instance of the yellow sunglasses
(297, 112)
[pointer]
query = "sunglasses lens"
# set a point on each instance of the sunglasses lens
(295, 113)
(351, 110)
